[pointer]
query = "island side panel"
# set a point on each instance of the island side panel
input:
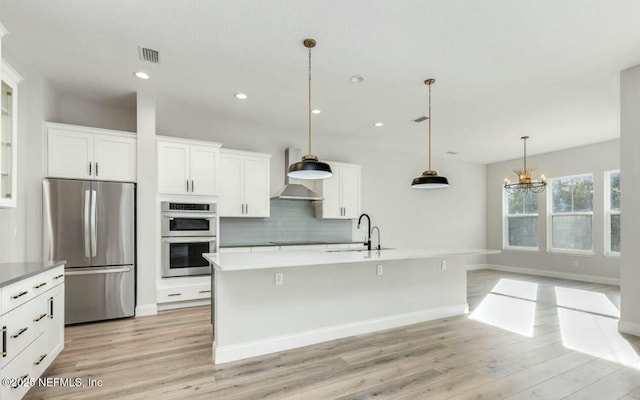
(316, 303)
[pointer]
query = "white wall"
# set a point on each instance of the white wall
(26, 219)
(443, 218)
(595, 159)
(630, 201)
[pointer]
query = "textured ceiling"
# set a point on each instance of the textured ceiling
(504, 68)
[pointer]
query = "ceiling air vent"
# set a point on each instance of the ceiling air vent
(420, 119)
(149, 55)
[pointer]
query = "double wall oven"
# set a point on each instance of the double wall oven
(188, 231)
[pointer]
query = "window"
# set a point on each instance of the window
(521, 220)
(612, 206)
(572, 213)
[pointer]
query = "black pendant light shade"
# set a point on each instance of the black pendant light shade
(429, 178)
(310, 167)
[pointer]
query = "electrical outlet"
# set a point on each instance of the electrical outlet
(278, 278)
(379, 269)
(443, 264)
(575, 264)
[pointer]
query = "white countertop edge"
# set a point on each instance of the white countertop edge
(281, 259)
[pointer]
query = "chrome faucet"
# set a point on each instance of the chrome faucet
(368, 242)
(376, 229)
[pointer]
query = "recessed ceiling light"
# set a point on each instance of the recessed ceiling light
(316, 111)
(142, 75)
(240, 96)
(356, 79)
(378, 124)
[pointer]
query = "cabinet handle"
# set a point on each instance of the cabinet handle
(51, 307)
(58, 276)
(246, 207)
(205, 291)
(17, 335)
(96, 169)
(4, 341)
(174, 294)
(187, 185)
(19, 381)
(242, 208)
(89, 169)
(192, 187)
(42, 357)
(19, 294)
(38, 286)
(40, 317)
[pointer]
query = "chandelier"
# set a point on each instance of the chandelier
(525, 183)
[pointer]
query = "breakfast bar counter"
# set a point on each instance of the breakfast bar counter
(264, 302)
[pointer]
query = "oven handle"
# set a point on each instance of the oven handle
(189, 240)
(188, 215)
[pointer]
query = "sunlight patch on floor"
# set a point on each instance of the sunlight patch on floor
(509, 313)
(584, 300)
(596, 335)
(514, 288)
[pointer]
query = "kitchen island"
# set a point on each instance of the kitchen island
(264, 302)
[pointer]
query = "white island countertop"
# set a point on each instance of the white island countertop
(278, 259)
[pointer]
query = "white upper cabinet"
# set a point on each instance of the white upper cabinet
(9, 80)
(341, 192)
(78, 152)
(187, 166)
(244, 184)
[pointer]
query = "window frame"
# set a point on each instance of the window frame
(505, 225)
(608, 213)
(551, 214)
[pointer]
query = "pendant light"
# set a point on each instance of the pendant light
(429, 178)
(525, 184)
(310, 167)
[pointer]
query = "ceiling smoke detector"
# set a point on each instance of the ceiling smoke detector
(149, 55)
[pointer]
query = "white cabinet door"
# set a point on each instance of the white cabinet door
(331, 204)
(70, 154)
(341, 193)
(203, 169)
(256, 187)
(115, 158)
(350, 192)
(55, 323)
(231, 181)
(173, 168)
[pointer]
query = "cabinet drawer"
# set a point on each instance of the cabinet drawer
(28, 365)
(55, 276)
(20, 292)
(184, 293)
(22, 326)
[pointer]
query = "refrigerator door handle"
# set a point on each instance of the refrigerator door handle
(87, 240)
(94, 228)
(97, 271)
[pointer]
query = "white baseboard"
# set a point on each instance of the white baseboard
(632, 328)
(222, 354)
(473, 267)
(146, 309)
(555, 274)
(182, 304)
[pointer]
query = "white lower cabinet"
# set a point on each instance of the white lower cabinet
(32, 331)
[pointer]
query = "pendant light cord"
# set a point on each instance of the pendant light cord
(309, 111)
(429, 115)
(525, 154)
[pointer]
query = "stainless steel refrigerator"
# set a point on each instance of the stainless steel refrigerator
(91, 225)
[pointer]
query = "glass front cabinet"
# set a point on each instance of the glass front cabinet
(8, 135)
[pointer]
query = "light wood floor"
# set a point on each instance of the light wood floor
(168, 356)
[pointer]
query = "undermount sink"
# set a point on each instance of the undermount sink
(358, 250)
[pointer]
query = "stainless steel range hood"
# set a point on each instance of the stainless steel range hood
(294, 191)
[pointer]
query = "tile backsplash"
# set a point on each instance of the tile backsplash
(291, 220)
